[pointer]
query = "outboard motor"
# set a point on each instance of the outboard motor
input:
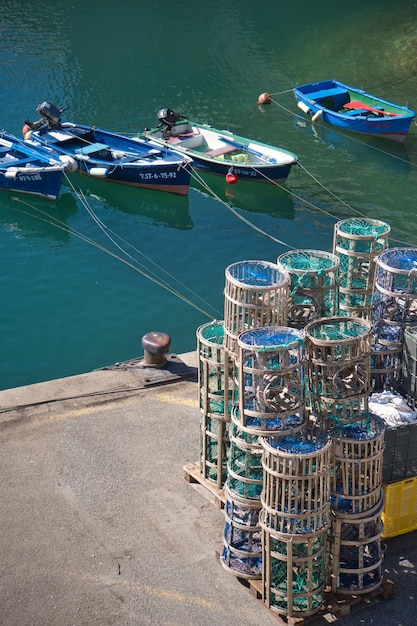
(167, 120)
(50, 113)
(51, 116)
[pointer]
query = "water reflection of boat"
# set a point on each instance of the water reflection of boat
(36, 218)
(162, 209)
(267, 199)
(370, 150)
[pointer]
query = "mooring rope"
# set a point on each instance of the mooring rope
(153, 278)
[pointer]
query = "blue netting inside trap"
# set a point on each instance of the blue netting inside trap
(399, 258)
(258, 273)
(368, 428)
(274, 423)
(272, 337)
(299, 443)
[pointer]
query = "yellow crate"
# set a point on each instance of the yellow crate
(400, 507)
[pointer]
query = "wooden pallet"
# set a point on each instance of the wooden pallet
(336, 605)
(193, 475)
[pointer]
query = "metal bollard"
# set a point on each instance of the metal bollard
(155, 345)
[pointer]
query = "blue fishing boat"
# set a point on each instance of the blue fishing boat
(111, 156)
(220, 151)
(352, 109)
(26, 168)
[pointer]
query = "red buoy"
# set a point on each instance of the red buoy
(231, 177)
(264, 98)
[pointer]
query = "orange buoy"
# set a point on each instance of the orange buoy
(264, 98)
(25, 130)
(231, 177)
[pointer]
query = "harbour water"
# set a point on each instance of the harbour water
(85, 277)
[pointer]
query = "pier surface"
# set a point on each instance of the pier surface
(99, 526)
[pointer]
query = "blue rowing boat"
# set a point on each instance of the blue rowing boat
(111, 156)
(222, 152)
(30, 169)
(352, 109)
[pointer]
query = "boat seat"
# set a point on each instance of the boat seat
(325, 93)
(95, 150)
(220, 151)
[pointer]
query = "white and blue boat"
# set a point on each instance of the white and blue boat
(352, 109)
(30, 169)
(111, 156)
(221, 151)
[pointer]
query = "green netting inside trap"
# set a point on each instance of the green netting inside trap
(245, 472)
(338, 330)
(313, 261)
(246, 463)
(212, 332)
(306, 576)
(299, 549)
(371, 234)
(250, 491)
(356, 272)
(257, 273)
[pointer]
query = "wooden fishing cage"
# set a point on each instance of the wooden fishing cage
(256, 295)
(215, 376)
(357, 242)
(386, 365)
(338, 364)
(242, 541)
(314, 285)
(395, 296)
(293, 571)
(356, 478)
(355, 552)
(270, 370)
(244, 465)
(296, 493)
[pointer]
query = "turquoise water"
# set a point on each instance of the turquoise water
(71, 300)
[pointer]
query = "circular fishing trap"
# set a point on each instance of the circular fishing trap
(270, 368)
(386, 364)
(296, 493)
(244, 465)
(357, 243)
(242, 547)
(397, 272)
(355, 552)
(341, 411)
(356, 478)
(338, 361)
(293, 571)
(214, 449)
(314, 283)
(256, 295)
(215, 373)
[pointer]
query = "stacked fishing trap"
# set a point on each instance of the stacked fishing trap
(286, 432)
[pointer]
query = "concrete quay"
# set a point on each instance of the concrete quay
(99, 525)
